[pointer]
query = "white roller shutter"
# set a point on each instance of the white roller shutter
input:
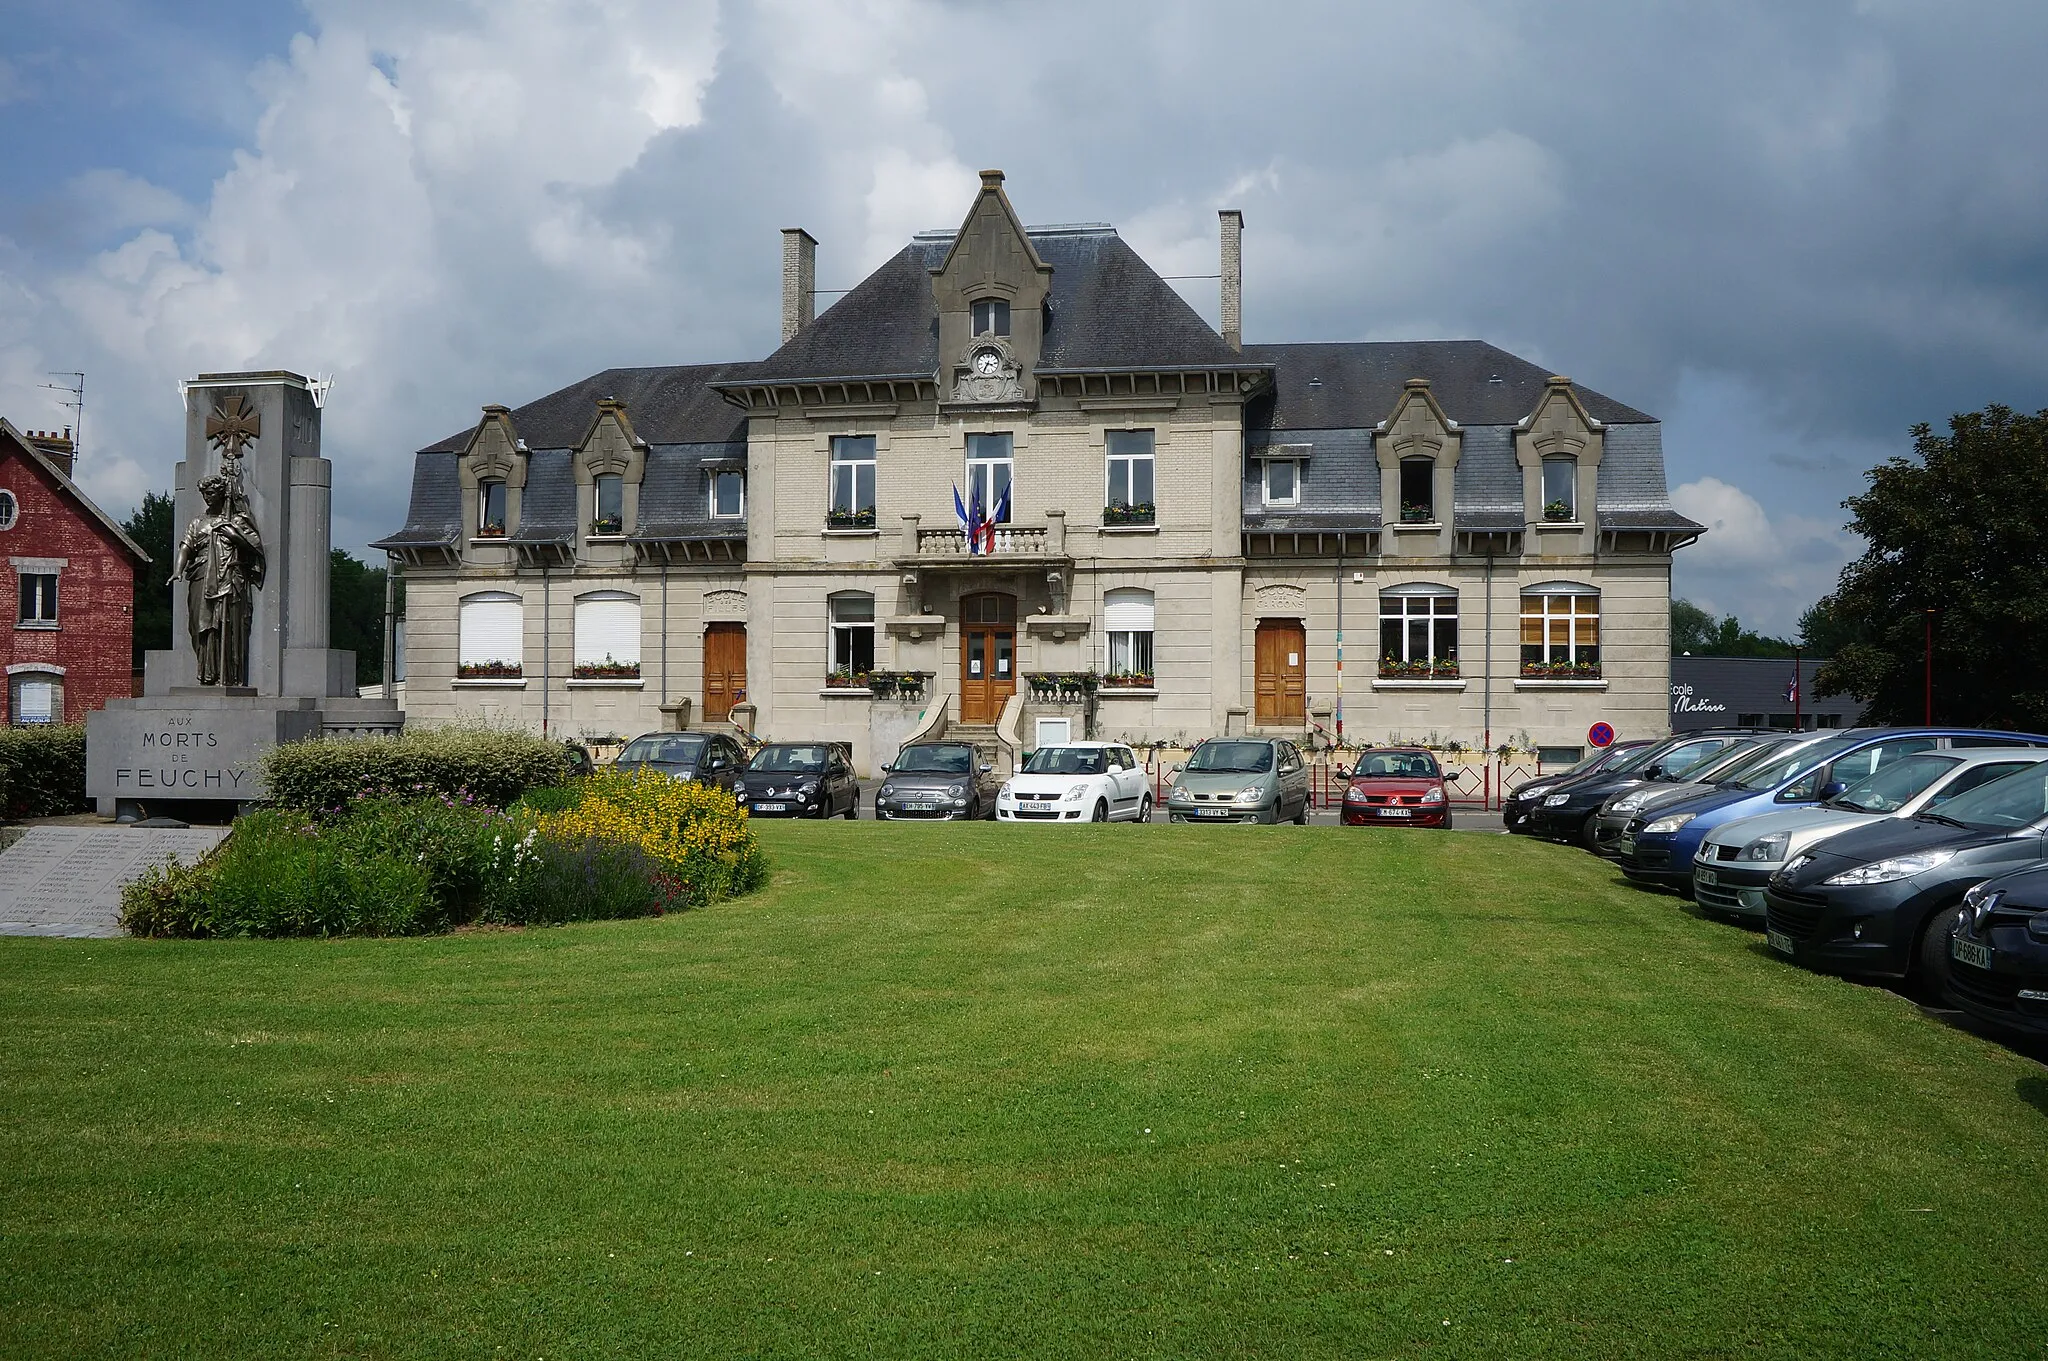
(607, 625)
(1128, 611)
(492, 628)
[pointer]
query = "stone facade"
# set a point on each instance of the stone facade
(1190, 521)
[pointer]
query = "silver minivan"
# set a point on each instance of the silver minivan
(1240, 779)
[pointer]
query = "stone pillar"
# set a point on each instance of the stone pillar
(1231, 224)
(1056, 533)
(799, 281)
(910, 524)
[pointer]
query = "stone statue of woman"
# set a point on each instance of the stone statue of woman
(222, 559)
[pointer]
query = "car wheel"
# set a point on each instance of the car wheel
(1145, 809)
(1447, 819)
(1101, 813)
(853, 807)
(1301, 813)
(1930, 961)
(1589, 835)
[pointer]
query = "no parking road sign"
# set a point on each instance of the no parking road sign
(1601, 734)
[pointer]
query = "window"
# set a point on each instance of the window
(490, 508)
(989, 464)
(39, 599)
(35, 697)
(490, 637)
(1560, 489)
(853, 483)
(1828, 721)
(1749, 720)
(1554, 758)
(1418, 633)
(1128, 497)
(1418, 491)
(607, 636)
(991, 317)
(853, 632)
(609, 498)
(9, 509)
(1281, 482)
(1561, 632)
(729, 493)
(1127, 619)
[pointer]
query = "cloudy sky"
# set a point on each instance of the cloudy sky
(1791, 231)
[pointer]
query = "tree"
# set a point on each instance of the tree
(1696, 631)
(1962, 529)
(153, 527)
(355, 614)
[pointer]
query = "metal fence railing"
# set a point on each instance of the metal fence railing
(1482, 784)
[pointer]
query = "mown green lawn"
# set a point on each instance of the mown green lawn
(990, 1091)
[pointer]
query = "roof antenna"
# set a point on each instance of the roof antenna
(76, 387)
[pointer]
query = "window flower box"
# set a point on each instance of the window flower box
(897, 684)
(1434, 668)
(608, 524)
(838, 517)
(1560, 671)
(492, 670)
(1558, 512)
(1413, 513)
(1132, 680)
(846, 680)
(1062, 687)
(1142, 513)
(491, 531)
(605, 670)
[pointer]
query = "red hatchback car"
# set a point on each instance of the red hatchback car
(1396, 787)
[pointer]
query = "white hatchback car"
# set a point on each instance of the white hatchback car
(1078, 782)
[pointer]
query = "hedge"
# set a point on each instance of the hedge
(42, 770)
(489, 766)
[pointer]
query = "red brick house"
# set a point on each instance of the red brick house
(71, 573)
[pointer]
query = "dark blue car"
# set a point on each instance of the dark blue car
(1657, 849)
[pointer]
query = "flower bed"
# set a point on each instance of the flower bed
(606, 670)
(494, 670)
(1560, 671)
(841, 518)
(1142, 513)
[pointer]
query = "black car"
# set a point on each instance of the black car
(1571, 811)
(1882, 900)
(1516, 806)
(937, 782)
(708, 758)
(1998, 956)
(1729, 764)
(800, 780)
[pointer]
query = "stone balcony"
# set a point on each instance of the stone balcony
(1016, 545)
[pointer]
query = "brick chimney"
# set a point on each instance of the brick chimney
(1231, 224)
(799, 281)
(55, 447)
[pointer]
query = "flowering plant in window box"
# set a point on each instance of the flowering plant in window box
(608, 669)
(1062, 686)
(1559, 510)
(1430, 668)
(1139, 680)
(491, 670)
(1560, 671)
(894, 684)
(1415, 513)
(1138, 513)
(494, 530)
(839, 517)
(608, 524)
(843, 679)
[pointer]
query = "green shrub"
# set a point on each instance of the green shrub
(42, 770)
(169, 899)
(541, 880)
(486, 765)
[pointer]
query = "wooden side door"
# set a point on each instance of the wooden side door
(988, 656)
(725, 669)
(1280, 674)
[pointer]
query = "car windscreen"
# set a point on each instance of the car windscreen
(1396, 765)
(1886, 789)
(2003, 805)
(1738, 764)
(934, 760)
(804, 760)
(1730, 759)
(1067, 761)
(682, 749)
(1788, 765)
(1251, 757)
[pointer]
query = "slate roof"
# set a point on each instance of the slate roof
(1342, 384)
(435, 516)
(672, 405)
(1108, 310)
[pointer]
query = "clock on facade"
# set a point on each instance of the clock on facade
(987, 361)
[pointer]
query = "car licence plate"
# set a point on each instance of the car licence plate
(1396, 813)
(1970, 951)
(1034, 806)
(771, 808)
(1627, 845)
(1212, 812)
(1707, 878)
(1779, 941)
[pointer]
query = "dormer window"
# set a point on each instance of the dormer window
(1560, 489)
(728, 494)
(991, 317)
(610, 504)
(490, 508)
(1280, 482)
(1418, 491)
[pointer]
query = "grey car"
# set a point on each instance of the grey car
(1240, 779)
(708, 758)
(936, 782)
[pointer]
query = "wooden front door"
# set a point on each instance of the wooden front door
(1281, 674)
(988, 656)
(725, 669)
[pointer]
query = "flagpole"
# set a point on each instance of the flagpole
(1798, 691)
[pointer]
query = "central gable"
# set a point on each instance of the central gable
(990, 293)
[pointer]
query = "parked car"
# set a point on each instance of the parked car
(1520, 801)
(937, 781)
(1883, 899)
(1396, 787)
(1998, 956)
(800, 780)
(1240, 779)
(1658, 850)
(1737, 859)
(706, 757)
(1734, 760)
(1078, 782)
(577, 758)
(1572, 811)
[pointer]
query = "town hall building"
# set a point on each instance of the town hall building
(1014, 476)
